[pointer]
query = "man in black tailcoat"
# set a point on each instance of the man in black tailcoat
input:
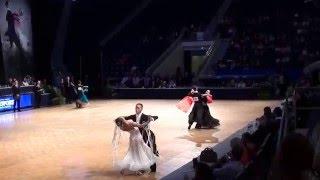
(141, 118)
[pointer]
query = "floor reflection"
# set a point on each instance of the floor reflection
(201, 136)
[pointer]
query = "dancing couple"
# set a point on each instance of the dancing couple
(200, 112)
(142, 152)
(82, 100)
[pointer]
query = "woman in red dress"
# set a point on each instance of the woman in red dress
(200, 112)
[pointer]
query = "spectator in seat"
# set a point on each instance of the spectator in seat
(265, 126)
(203, 171)
(136, 81)
(204, 163)
(266, 117)
(147, 81)
(249, 148)
(232, 168)
(295, 159)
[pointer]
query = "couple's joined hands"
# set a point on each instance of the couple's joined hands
(150, 118)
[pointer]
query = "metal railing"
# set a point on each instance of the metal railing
(291, 106)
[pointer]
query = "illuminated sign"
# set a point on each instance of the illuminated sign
(6, 102)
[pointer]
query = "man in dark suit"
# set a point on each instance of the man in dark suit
(37, 90)
(70, 90)
(141, 118)
(16, 95)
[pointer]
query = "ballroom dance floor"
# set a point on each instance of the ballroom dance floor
(63, 142)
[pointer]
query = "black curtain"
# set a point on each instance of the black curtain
(2, 74)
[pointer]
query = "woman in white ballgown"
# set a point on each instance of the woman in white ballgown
(139, 156)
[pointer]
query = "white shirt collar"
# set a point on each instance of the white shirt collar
(138, 117)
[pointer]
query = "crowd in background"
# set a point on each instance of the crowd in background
(284, 39)
(135, 79)
(255, 154)
(65, 90)
(271, 43)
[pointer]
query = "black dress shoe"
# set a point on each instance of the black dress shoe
(198, 126)
(157, 153)
(153, 167)
(189, 126)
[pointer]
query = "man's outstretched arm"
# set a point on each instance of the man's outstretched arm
(129, 117)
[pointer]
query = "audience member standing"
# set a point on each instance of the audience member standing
(16, 95)
(37, 90)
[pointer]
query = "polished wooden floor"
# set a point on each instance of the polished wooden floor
(67, 143)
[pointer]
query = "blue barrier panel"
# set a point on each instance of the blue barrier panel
(6, 102)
